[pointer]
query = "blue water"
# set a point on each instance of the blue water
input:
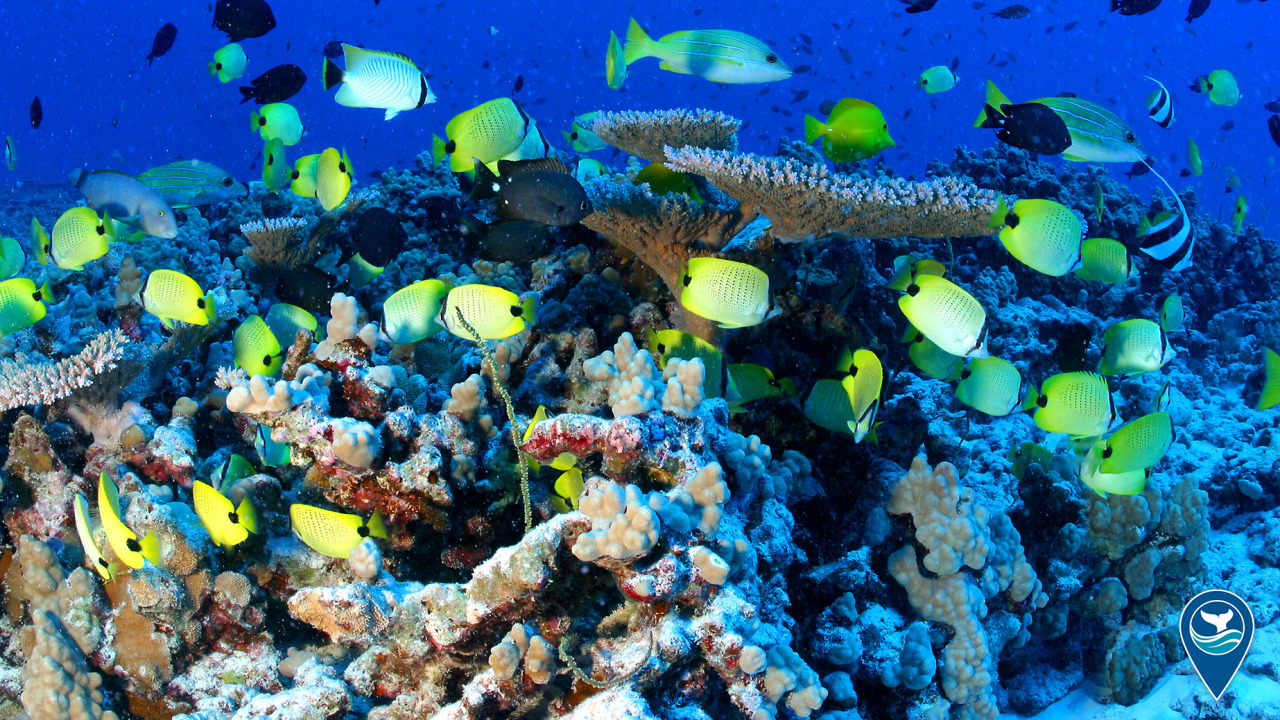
(105, 108)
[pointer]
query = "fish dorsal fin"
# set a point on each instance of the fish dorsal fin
(847, 106)
(511, 168)
(355, 57)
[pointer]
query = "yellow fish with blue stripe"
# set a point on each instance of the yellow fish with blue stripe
(89, 544)
(132, 552)
(333, 533)
(722, 56)
(228, 524)
(235, 468)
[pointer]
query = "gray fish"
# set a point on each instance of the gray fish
(189, 183)
(127, 200)
(542, 190)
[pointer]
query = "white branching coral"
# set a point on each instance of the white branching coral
(645, 134)
(278, 244)
(28, 381)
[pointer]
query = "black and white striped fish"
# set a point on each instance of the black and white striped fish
(1171, 239)
(1160, 105)
(374, 79)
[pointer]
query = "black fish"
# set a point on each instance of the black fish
(1138, 169)
(1273, 126)
(542, 190)
(275, 85)
(37, 113)
(1229, 125)
(517, 241)
(241, 19)
(1134, 7)
(919, 6)
(1197, 8)
(1030, 126)
(826, 107)
(801, 95)
(333, 49)
(378, 237)
(1013, 12)
(307, 287)
(1273, 106)
(802, 69)
(164, 40)
(519, 83)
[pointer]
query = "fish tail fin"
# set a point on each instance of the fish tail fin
(247, 92)
(486, 183)
(213, 69)
(813, 129)
(45, 293)
(998, 217)
(77, 176)
(991, 107)
(150, 545)
(378, 526)
(332, 74)
(254, 117)
(529, 309)
(248, 515)
(438, 150)
(1271, 388)
(1029, 402)
(638, 43)
(210, 307)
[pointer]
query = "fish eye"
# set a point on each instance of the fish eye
(342, 167)
(771, 58)
(1128, 137)
(162, 213)
(233, 517)
(219, 66)
(226, 182)
(133, 545)
(583, 206)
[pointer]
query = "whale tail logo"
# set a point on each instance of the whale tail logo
(1217, 629)
(1219, 621)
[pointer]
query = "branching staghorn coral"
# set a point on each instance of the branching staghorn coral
(808, 202)
(278, 244)
(25, 381)
(645, 134)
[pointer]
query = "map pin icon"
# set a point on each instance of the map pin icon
(1216, 627)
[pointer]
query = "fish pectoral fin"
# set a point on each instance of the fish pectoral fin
(391, 112)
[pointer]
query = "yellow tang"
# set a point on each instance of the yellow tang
(1132, 347)
(567, 491)
(22, 304)
(270, 452)
(662, 180)
(1171, 313)
(1139, 444)
(303, 177)
(931, 359)
(754, 382)
(1076, 403)
(286, 320)
(1042, 234)
(40, 243)
(1221, 87)
(275, 166)
(1271, 386)
(332, 533)
(615, 64)
(92, 552)
(278, 120)
(947, 315)
(937, 79)
(256, 349)
(1194, 163)
(830, 406)
(492, 312)
(131, 551)
(333, 178)
(228, 524)
(667, 344)
(1237, 215)
(1132, 482)
(864, 384)
(580, 138)
(12, 257)
(906, 268)
(563, 461)
(855, 130)
(228, 63)
(1104, 260)
(488, 132)
(171, 295)
(1028, 454)
(411, 313)
(990, 385)
(731, 293)
(79, 237)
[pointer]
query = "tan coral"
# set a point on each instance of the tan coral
(645, 134)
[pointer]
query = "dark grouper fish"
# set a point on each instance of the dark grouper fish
(542, 190)
(163, 41)
(241, 19)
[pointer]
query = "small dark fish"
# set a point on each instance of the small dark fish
(1229, 125)
(275, 85)
(378, 236)
(1197, 8)
(518, 84)
(1031, 126)
(845, 56)
(955, 64)
(333, 49)
(241, 19)
(908, 112)
(1138, 169)
(1273, 127)
(807, 40)
(919, 6)
(163, 41)
(542, 190)
(307, 287)
(826, 107)
(800, 96)
(1013, 12)
(1273, 106)
(802, 69)
(1134, 7)
(1070, 26)
(37, 113)
(515, 241)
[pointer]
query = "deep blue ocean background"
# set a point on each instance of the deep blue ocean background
(103, 107)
